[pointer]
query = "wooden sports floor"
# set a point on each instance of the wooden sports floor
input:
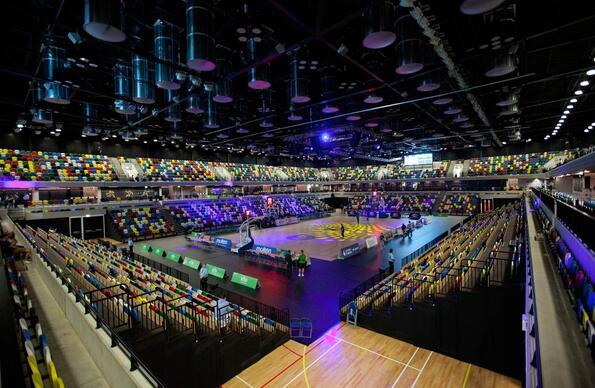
(355, 357)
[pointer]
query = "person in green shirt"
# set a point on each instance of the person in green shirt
(302, 261)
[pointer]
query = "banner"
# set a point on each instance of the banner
(264, 249)
(158, 251)
(222, 242)
(145, 247)
(350, 250)
(371, 241)
(286, 221)
(245, 280)
(173, 256)
(216, 271)
(192, 263)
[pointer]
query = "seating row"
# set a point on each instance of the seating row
(141, 222)
(41, 368)
(459, 204)
(54, 166)
(393, 203)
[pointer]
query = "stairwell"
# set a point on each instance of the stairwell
(439, 199)
(179, 229)
(118, 169)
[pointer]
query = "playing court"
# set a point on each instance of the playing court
(321, 238)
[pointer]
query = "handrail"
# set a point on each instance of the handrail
(533, 378)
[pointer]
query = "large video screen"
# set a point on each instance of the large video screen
(418, 159)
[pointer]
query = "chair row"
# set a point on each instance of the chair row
(143, 222)
(40, 365)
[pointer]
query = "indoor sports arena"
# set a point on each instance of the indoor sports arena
(316, 193)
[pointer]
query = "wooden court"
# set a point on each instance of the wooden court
(355, 357)
(321, 238)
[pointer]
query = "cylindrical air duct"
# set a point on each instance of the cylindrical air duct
(328, 90)
(41, 116)
(258, 75)
(210, 119)
(142, 80)
(502, 64)
(193, 104)
(166, 50)
(380, 19)
(410, 47)
(37, 92)
(428, 84)
(223, 87)
(173, 111)
(55, 92)
(298, 84)
(121, 80)
(200, 38)
(104, 20)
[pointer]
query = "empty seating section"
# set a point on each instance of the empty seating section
(291, 173)
(175, 170)
(150, 297)
(391, 203)
(465, 259)
(459, 204)
(54, 166)
(204, 215)
(532, 163)
(141, 222)
(40, 366)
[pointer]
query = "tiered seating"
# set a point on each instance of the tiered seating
(394, 203)
(445, 267)
(176, 170)
(459, 204)
(248, 172)
(39, 360)
(54, 166)
(142, 222)
(154, 295)
(359, 173)
(576, 280)
(300, 173)
(510, 164)
(203, 215)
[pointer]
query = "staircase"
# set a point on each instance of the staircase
(437, 203)
(118, 169)
(179, 229)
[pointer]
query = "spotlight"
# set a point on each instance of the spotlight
(566, 112)
(573, 100)
(74, 37)
(578, 92)
(325, 137)
(591, 72)
(569, 106)
(584, 83)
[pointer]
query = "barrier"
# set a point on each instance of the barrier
(349, 251)
(174, 256)
(216, 271)
(159, 251)
(245, 280)
(191, 263)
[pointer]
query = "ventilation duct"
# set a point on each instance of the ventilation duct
(124, 107)
(200, 40)
(510, 110)
(37, 92)
(55, 92)
(104, 20)
(172, 113)
(298, 84)
(142, 80)
(193, 105)
(508, 99)
(41, 116)
(379, 16)
(442, 101)
(223, 91)
(372, 97)
(476, 7)
(328, 85)
(259, 75)
(452, 110)
(502, 64)
(409, 49)
(89, 116)
(293, 115)
(460, 118)
(428, 84)
(210, 120)
(166, 50)
(121, 80)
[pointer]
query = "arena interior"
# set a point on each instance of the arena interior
(338, 193)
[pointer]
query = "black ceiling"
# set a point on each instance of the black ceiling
(552, 43)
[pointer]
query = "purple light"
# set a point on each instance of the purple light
(325, 137)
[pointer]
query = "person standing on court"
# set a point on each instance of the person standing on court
(302, 261)
(289, 263)
(130, 246)
(204, 275)
(357, 216)
(342, 231)
(391, 261)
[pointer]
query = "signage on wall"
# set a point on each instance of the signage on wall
(264, 249)
(418, 159)
(350, 250)
(222, 242)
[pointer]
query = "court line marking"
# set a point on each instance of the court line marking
(244, 381)
(466, 375)
(281, 372)
(312, 364)
(405, 368)
(287, 347)
(304, 366)
(371, 351)
(421, 370)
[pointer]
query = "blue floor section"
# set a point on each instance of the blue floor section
(314, 296)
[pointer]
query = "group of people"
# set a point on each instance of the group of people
(408, 229)
(300, 261)
(12, 200)
(10, 247)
